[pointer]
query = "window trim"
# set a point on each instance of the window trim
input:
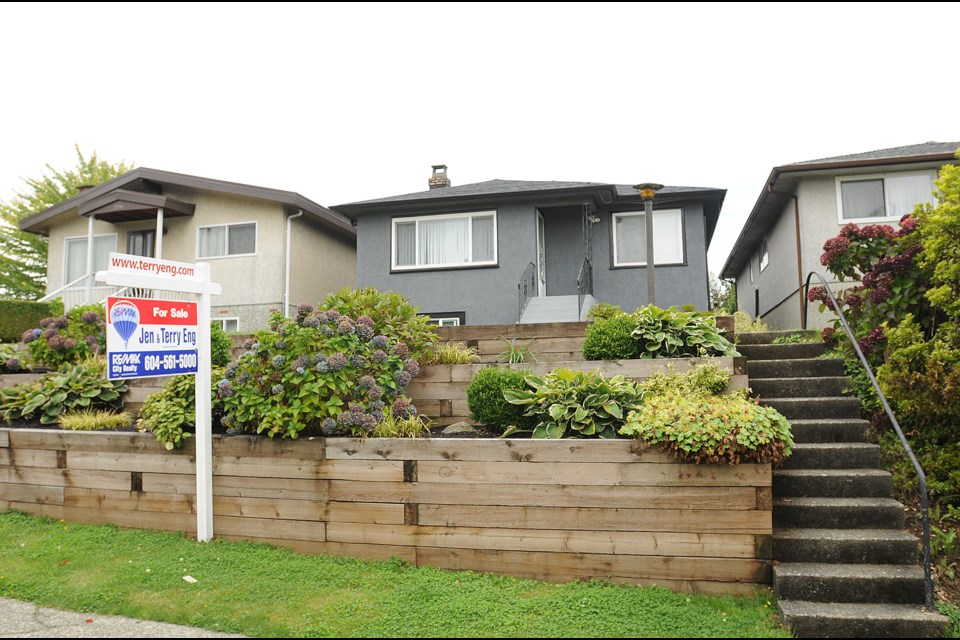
(459, 316)
(932, 173)
(492, 213)
(66, 242)
(256, 240)
(764, 255)
(223, 319)
(633, 213)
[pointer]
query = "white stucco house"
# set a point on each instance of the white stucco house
(802, 205)
(269, 249)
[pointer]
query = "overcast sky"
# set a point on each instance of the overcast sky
(345, 102)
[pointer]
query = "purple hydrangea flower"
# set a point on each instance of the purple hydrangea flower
(243, 378)
(411, 366)
(311, 321)
(69, 343)
(276, 389)
(364, 331)
(50, 333)
(55, 342)
(376, 391)
(46, 322)
(231, 370)
(333, 315)
(367, 382)
(280, 344)
(327, 330)
(322, 367)
(336, 361)
(365, 320)
(328, 427)
(90, 317)
(29, 336)
(358, 361)
(379, 356)
(401, 350)
(402, 378)
(402, 408)
(367, 421)
(380, 342)
(13, 364)
(345, 326)
(319, 357)
(60, 322)
(345, 419)
(279, 360)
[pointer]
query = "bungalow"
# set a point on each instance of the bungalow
(803, 205)
(267, 248)
(504, 251)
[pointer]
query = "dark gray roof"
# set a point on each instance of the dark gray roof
(909, 151)
(38, 222)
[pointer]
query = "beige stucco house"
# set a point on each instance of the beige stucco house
(802, 205)
(269, 249)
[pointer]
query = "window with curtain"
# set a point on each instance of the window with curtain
(75, 255)
(227, 240)
(630, 238)
(883, 196)
(453, 240)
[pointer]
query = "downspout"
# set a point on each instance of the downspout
(88, 295)
(796, 222)
(286, 275)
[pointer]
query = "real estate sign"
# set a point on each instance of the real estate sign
(148, 337)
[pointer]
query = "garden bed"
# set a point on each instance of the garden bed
(551, 509)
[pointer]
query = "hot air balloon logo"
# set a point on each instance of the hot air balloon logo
(125, 318)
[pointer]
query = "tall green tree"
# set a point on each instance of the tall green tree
(23, 256)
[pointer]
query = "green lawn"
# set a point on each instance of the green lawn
(260, 590)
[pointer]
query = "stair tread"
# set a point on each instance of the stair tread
(835, 445)
(846, 534)
(857, 610)
(844, 570)
(830, 473)
(818, 421)
(839, 502)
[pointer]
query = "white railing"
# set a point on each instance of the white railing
(74, 294)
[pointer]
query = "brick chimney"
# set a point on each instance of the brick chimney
(439, 178)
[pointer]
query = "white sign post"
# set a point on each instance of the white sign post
(135, 271)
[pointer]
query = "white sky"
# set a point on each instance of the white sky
(345, 102)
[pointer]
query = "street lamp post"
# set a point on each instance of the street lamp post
(647, 191)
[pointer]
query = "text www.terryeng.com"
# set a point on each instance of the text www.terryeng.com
(151, 267)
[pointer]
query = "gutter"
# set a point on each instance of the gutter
(286, 274)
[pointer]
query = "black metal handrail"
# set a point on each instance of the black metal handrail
(584, 284)
(924, 507)
(527, 287)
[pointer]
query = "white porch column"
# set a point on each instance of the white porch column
(158, 239)
(88, 296)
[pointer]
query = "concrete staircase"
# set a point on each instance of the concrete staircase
(556, 309)
(844, 566)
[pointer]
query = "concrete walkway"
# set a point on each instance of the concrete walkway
(27, 620)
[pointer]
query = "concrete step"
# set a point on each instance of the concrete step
(835, 407)
(832, 483)
(814, 367)
(837, 513)
(781, 351)
(767, 337)
(834, 455)
(551, 309)
(845, 430)
(848, 546)
(860, 620)
(873, 583)
(799, 387)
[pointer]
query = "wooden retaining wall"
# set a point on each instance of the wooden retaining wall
(440, 391)
(556, 510)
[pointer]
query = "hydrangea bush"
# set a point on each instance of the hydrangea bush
(67, 338)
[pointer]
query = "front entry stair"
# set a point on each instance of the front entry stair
(556, 309)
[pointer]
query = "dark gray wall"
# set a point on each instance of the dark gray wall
(563, 229)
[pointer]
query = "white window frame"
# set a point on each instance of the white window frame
(446, 216)
(932, 173)
(622, 214)
(66, 242)
(226, 244)
(445, 322)
(223, 322)
(764, 255)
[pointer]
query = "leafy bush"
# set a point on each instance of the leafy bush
(326, 371)
(611, 339)
(169, 413)
(12, 360)
(392, 315)
(743, 324)
(939, 231)
(704, 378)
(17, 316)
(220, 346)
(93, 420)
(517, 353)
(603, 311)
(452, 353)
(68, 338)
(716, 429)
(576, 404)
(487, 403)
(83, 385)
(669, 333)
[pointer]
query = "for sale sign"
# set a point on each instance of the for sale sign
(148, 337)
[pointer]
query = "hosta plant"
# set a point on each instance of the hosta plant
(74, 387)
(669, 333)
(575, 404)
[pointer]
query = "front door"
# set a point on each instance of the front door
(541, 258)
(141, 243)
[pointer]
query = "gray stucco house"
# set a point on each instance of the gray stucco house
(481, 253)
(804, 204)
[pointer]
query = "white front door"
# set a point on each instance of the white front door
(541, 259)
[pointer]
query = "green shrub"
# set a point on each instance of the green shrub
(392, 314)
(409, 427)
(669, 333)
(220, 346)
(743, 324)
(704, 378)
(576, 404)
(452, 353)
(169, 413)
(68, 338)
(487, 404)
(604, 311)
(611, 339)
(326, 371)
(517, 353)
(716, 429)
(17, 316)
(93, 420)
(83, 385)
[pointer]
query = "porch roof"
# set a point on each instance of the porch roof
(124, 206)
